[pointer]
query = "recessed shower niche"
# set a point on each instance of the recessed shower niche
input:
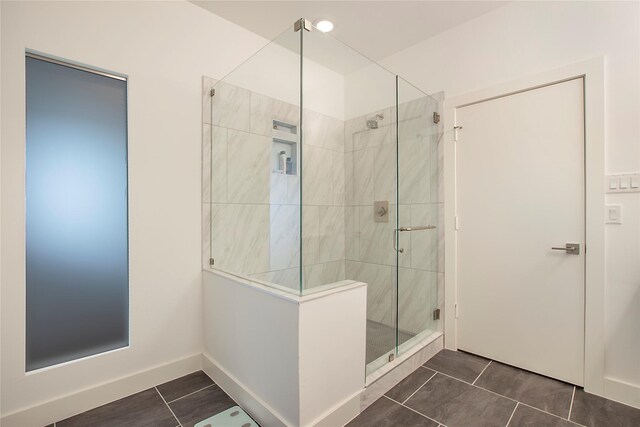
(284, 151)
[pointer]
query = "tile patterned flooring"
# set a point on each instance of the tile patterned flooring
(457, 389)
(181, 402)
(453, 389)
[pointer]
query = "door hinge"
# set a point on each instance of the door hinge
(456, 223)
(436, 314)
(211, 262)
(455, 132)
(456, 310)
(436, 117)
(212, 92)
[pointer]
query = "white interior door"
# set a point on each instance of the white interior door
(520, 192)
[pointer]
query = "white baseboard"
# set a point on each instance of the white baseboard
(339, 415)
(342, 413)
(252, 404)
(622, 392)
(83, 400)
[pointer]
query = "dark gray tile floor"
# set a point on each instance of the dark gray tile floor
(536, 390)
(458, 389)
(453, 389)
(144, 408)
(463, 366)
(181, 402)
(386, 413)
(592, 410)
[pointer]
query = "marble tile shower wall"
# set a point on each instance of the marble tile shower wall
(251, 216)
(370, 175)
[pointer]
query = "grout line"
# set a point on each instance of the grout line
(411, 409)
(512, 413)
(171, 410)
(434, 374)
(549, 413)
(193, 392)
(478, 377)
(571, 406)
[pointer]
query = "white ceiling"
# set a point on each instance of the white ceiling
(376, 29)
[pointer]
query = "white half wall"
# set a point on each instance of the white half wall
(252, 334)
(290, 360)
(526, 38)
(332, 341)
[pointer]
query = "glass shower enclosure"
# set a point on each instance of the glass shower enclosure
(321, 167)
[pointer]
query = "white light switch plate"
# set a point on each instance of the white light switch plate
(623, 183)
(613, 214)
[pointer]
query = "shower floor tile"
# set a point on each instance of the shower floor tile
(468, 390)
(381, 339)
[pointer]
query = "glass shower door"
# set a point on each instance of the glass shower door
(419, 205)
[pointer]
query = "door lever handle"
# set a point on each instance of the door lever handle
(570, 248)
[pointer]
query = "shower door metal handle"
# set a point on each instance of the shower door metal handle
(404, 229)
(395, 246)
(570, 248)
(417, 228)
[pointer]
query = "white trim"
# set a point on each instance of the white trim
(282, 292)
(593, 72)
(622, 392)
(251, 403)
(73, 404)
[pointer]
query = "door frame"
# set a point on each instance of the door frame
(592, 71)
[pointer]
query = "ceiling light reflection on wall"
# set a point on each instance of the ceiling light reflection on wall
(324, 25)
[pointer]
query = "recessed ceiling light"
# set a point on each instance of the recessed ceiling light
(324, 25)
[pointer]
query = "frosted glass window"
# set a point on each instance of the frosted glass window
(76, 213)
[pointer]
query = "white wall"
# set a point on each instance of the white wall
(525, 38)
(164, 48)
(275, 72)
